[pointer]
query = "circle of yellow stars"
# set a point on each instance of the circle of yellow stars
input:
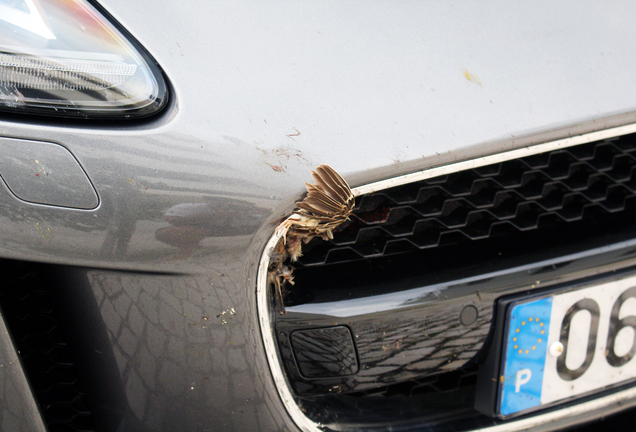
(531, 319)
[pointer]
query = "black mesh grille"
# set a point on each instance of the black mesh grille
(546, 190)
(30, 312)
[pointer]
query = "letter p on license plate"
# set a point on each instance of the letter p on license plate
(566, 345)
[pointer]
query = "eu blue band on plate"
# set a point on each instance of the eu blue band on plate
(526, 348)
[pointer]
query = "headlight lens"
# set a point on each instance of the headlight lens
(63, 58)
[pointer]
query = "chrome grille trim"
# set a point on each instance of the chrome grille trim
(492, 159)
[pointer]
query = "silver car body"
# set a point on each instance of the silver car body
(260, 94)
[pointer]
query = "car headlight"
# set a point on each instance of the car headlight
(63, 58)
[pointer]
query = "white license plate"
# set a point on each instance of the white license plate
(569, 344)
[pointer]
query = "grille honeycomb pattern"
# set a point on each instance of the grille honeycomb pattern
(30, 314)
(520, 195)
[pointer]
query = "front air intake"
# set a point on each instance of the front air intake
(414, 275)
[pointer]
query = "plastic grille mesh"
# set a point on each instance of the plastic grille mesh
(520, 195)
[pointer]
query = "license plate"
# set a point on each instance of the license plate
(567, 345)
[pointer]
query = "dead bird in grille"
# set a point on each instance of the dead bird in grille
(328, 203)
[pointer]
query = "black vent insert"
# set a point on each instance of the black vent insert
(32, 318)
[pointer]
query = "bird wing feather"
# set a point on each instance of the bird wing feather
(323, 183)
(333, 184)
(315, 194)
(318, 189)
(318, 206)
(328, 204)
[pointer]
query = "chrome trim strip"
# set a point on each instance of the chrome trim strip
(496, 158)
(621, 399)
(271, 351)
(618, 400)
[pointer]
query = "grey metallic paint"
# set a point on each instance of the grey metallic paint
(262, 93)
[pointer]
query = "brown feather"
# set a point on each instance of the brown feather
(313, 191)
(336, 183)
(321, 205)
(339, 208)
(329, 191)
(327, 204)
